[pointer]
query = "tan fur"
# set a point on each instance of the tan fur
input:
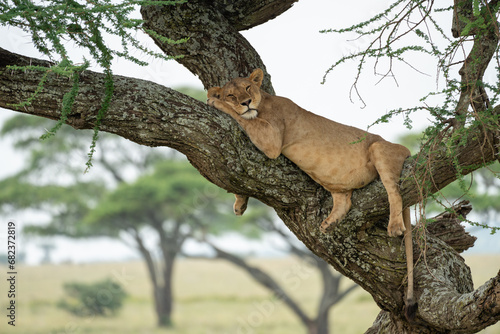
(341, 158)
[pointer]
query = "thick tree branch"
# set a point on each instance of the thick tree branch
(468, 312)
(358, 247)
(462, 11)
(214, 43)
(458, 310)
(154, 115)
(244, 14)
(447, 227)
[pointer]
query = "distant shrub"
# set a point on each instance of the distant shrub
(102, 298)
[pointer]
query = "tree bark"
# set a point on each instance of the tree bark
(358, 247)
(213, 40)
(243, 14)
(447, 227)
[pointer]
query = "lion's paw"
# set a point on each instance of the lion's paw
(396, 228)
(239, 211)
(240, 204)
(211, 101)
(325, 227)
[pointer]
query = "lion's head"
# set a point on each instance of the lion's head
(241, 94)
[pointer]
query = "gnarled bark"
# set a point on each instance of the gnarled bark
(447, 227)
(243, 14)
(214, 42)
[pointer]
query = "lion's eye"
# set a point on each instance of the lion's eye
(231, 98)
(248, 88)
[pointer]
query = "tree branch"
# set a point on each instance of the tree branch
(484, 48)
(459, 310)
(243, 14)
(225, 51)
(447, 227)
(462, 10)
(153, 115)
(466, 312)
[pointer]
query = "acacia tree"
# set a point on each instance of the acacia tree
(174, 203)
(464, 137)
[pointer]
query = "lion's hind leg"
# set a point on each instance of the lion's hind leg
(240, 204)
(341, 205)
(388, 159)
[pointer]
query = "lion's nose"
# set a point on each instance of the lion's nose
(246, 103)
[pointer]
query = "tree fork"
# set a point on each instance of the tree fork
(225, 51)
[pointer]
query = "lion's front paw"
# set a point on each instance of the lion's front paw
(239, 210)
(211, 101)
(240, 204)
(396, 228)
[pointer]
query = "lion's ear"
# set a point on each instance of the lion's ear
(214, 92)
(257, 76)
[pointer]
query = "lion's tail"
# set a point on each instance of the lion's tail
(411, 304)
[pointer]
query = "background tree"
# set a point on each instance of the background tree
(172, 204)
(169, 204)
(463, 138)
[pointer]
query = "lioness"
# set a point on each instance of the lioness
(338, 157)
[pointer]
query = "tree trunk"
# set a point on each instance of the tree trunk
(357, 247)
(223, 47)
(165, 295)
(161, 274)
(160, 297)
(331, 285)
(170, 244)
(322, 323)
